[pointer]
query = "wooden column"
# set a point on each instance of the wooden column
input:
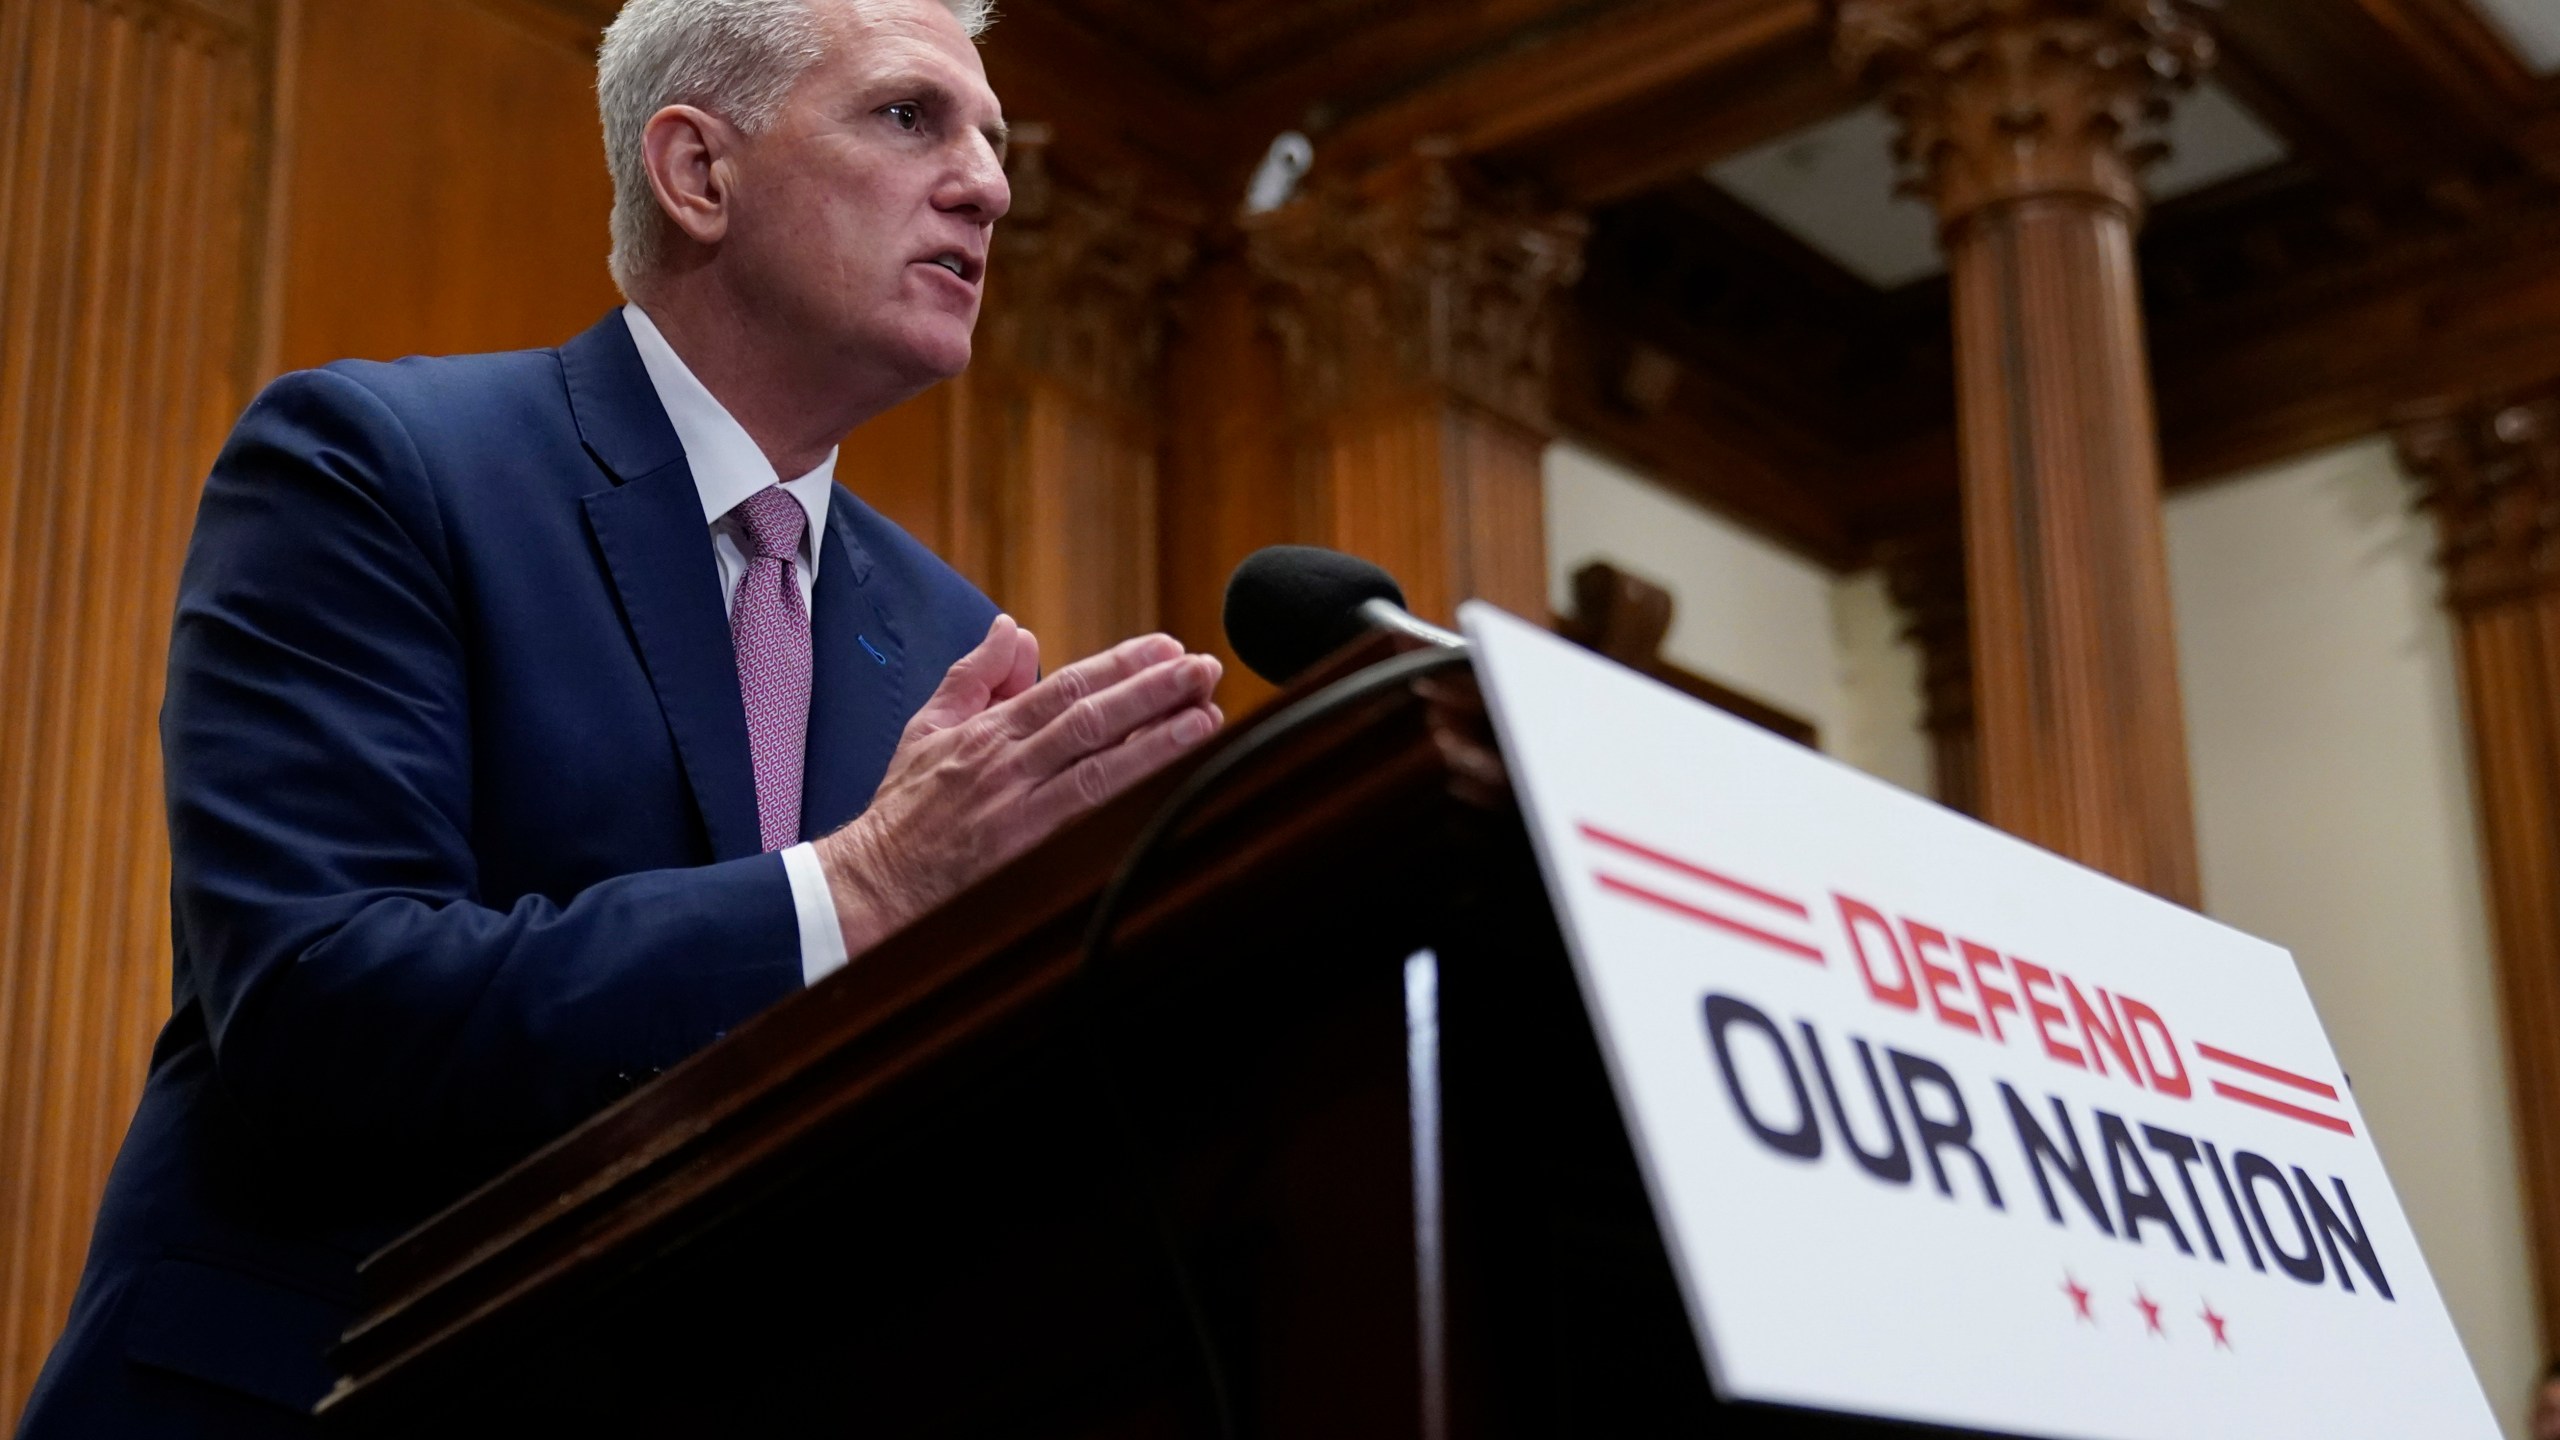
(2023, 121)
(133, 149)
(2491, 473)
(1230, 482)
(1415, 311)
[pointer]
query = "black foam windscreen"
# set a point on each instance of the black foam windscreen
(1289, 606)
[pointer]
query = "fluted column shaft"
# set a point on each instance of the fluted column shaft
(2491, 474)
(2023, 122)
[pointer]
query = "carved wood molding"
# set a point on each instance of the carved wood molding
(1083, 275)
(2007, 100)
(2491, 473)
(1427, 275)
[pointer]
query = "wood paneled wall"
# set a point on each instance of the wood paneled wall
(1073, 491)
(131, 208)
(194, 195)
(1231, 485)
(445, 187)
(1043, 497)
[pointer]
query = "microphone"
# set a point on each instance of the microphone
(1289, 606)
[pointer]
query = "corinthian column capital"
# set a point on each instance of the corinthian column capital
(2004, 100)
(1083, 277)
(2490, 470)
(1426, 275)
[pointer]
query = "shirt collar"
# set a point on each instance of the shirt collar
(727, 464)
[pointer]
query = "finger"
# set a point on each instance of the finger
(1110, 717)
(1026, 667)
(1025, 714)
(1216, 717)
(969, 686)
(1105, 773)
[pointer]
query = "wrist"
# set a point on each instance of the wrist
(859, 882)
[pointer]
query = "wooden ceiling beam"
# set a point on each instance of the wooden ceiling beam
(1107, 104)
(2474, 62)
(1579, 80)
(2250, 384)
(2386, 91)
(1666, 136)
(2469, 58)
(1598, 99)
(1365, 64)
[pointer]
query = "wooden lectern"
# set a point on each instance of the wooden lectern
(1323, 1149)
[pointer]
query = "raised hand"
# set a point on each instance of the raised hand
(996, 761)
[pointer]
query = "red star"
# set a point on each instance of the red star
(2214, 1323)
(2150, 1312)
(2079, 1298)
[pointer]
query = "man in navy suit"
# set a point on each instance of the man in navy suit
(532, 719)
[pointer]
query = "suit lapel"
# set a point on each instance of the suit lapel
(855, 715)
(656, 548)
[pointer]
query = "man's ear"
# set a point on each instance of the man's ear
(686, 152)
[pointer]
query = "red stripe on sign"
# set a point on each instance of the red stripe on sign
(1707, 917)
(1743, 888)
(2289, 1111)
(2265, 1071)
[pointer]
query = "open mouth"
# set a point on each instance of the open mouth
(952, 261)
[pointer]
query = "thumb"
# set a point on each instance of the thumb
(969, 686)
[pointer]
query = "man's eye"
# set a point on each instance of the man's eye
(907, 113)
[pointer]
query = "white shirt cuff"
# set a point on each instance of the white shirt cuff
(821, 935)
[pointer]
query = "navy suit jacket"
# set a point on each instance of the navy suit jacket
(464, 840)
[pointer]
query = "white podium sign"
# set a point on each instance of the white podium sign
(1942, 1127)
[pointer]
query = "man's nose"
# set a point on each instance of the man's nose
(981, 190)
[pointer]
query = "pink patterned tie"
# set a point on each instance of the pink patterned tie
(769, 627)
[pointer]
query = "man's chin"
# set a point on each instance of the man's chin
(950, 359)
(918, 364)
(935, 350)
(880, 365)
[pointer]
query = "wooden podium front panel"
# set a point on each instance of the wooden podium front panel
(991, 1261)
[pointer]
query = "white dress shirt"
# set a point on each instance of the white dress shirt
(728, 466)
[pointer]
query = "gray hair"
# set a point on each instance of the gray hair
(737, 59)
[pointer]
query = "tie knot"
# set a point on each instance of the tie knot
(774, 523)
